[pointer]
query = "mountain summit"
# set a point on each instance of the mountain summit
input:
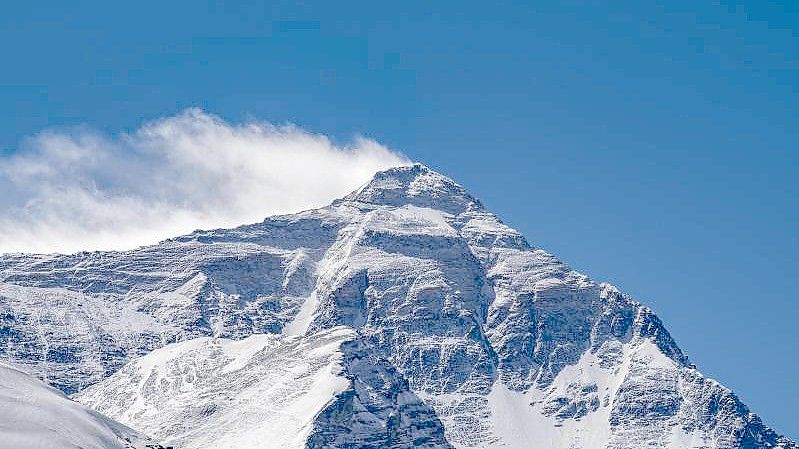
(403, 315)
(414, 185)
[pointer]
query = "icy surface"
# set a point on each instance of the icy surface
(459, 332)
(34, 415)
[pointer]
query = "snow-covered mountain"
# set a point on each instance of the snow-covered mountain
(34, 415)
(403, 315)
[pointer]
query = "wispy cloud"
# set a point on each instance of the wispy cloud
(81, 190)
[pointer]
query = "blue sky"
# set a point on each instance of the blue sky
(649, 144)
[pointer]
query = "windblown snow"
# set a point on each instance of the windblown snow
(404, 315)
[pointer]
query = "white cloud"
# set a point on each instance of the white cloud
(80, 190)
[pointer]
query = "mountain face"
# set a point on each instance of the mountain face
(403, 315)
(36, 416)
(269, 391)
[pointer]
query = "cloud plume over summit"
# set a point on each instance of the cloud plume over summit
(82, 190)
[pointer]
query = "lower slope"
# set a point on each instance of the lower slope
(268, 391)
(36, 416)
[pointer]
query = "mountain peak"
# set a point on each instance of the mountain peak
(417, 185)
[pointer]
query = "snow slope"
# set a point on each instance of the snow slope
(36, 416)
(258, 392)
(461, 333)
(264, 392)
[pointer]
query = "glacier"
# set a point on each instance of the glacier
(402, 315)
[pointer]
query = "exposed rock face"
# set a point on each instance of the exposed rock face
(461, 334)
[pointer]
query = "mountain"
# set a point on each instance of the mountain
(403, 315)
(36, 416)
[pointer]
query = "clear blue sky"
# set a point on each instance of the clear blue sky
(653, 145)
